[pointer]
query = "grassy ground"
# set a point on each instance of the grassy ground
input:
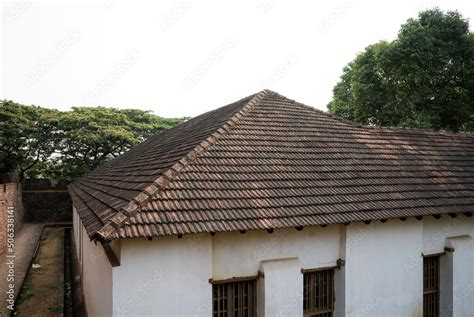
(42, 292)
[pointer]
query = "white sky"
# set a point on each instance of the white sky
(182, 58)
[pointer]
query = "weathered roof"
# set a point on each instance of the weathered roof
(269, 162)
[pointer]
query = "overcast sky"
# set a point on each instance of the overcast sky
(182, 58)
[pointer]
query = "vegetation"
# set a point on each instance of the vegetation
(424, 78)
(28, 136)
(43, 290)
(38, 141)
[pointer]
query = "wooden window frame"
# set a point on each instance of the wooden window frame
(228, 286)
(434, 279)
(310, 308)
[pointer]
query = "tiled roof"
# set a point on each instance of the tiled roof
(269, 162)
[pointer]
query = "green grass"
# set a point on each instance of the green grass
(25, 292)
(55, 309)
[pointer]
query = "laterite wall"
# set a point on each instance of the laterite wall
(10, 196)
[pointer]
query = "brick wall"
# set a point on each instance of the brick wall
(10, 196)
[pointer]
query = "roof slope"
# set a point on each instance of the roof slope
(269, 162)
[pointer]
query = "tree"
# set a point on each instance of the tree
(27, 136)
(424, 78)
(91, 136)
(36, 141)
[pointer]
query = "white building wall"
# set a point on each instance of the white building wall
(381, 278)
(436, 231)
(164, 277)
(170, 276)
(285, 276)
(462, 277)
(235, 254)
(96, 272)
(457, 268)
(382, 275)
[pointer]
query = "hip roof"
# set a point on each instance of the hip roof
(268, 162)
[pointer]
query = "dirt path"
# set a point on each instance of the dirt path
(43, 290)
(25, 243)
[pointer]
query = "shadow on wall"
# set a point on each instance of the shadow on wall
(46, 200)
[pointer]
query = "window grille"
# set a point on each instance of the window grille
(318, 293)
(431, 286)
(234, 299)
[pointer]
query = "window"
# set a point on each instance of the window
(318, 293)
(431, 286)
(236, 298)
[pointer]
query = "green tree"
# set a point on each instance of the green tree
(28, 136)
(92, 135)
(36, 141)
(424, 78)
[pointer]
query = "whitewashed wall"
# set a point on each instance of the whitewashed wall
(96, 272)
(314, 246)
(285, 276)
(382, 279)
(170, 276)
(164, 277)
(384, 271)
(280, 256)
(382, 276)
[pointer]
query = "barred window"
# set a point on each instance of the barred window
(234, 299)
(431, 286)
(318, 293)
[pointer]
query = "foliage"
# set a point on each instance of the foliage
(28, 136)
(424, 78)
(92, 136)
(54, 144)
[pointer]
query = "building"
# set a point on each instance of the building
(269, 207)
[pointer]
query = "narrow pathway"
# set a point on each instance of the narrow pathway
(25, 244)
(43, 291)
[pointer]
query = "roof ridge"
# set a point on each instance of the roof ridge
(381, 128)
(126, 212)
